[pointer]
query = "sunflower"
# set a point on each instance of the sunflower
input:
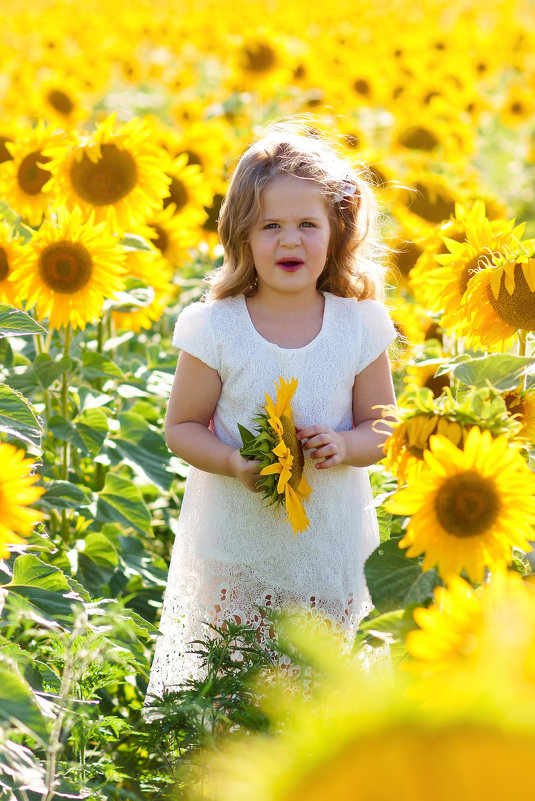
(411, 334)
(16, 492)
(155, 272)
(501, 300)
(518, 106)
(10, 249)
(23, 177)
(469, 506)
(434, 245)
(121, 177)
(281, 454)
(169, 235)
(520, 404)
(447, 630)
(427, 200)
(188, 192)
(68, 269)
(424, 375)
(449, 284)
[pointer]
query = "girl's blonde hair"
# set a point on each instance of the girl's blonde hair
(286, 149)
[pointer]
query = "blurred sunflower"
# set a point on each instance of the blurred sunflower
(408, 323)
(68, 269)
(361, 739)
(155, 273)
(427, 200)
(469, 506)
(448, 285)
(59, 100)
(423, 375)
(448, 629)
(518, 105)
(16, 493)
(403, 254)
(23, 177)
(281, 455)
(188, 192)
(520, 404)
(10, 250)
(121, 177)
(500, 299)
(169, 235)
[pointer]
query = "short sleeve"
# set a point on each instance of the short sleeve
(378, 331)
(193, 333)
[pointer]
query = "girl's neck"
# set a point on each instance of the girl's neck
(287, 304)
(289, 325)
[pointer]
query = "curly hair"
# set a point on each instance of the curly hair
(352, 268)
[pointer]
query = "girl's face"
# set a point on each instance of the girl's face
(290, 239)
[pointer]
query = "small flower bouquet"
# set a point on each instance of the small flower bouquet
(274, 443)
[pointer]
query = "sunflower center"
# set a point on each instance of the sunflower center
(178, 194)
(259, 58)
(5, 155)
(362, 87)
(514, 403)
(517, 309)
(418, 138)
(60, 101)
(210, 224)
(467, 504)
(109, 180)
(4, 265)
(65, 267)
(193, 158)
(289, 436)
(406, 256)
(161, 240)
(31, 178)
(431, 205)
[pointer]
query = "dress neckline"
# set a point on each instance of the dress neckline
(258, 335)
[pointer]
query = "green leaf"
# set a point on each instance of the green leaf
(144, 449)
(396, 623)
(43, 605)
(95, 365)
(120, 502)
(503, 370)
(394, 581)
(247, 437)
(46, 370)
(91, 431)
(18, 705)
(6, 354)
(97, 562)
(64, 495)
(29, 570)
(17, 323)
(136, 242)
(17, 418)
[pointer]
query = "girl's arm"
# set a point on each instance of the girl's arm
(361, 445)
(194, 395)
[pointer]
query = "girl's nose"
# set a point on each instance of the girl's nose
(290, 239)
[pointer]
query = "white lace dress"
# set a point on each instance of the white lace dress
(232, 555)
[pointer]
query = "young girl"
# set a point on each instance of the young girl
(297, 297)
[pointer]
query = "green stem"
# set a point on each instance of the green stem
(99, 468)
(523, 350)
(65, 412)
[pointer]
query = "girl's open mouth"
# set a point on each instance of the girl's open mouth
(290, 265)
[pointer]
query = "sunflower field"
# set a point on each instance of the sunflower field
(120, 125)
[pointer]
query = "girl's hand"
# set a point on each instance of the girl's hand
(327, 447)
(246, 470)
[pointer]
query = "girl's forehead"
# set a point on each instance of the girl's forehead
(284, 187)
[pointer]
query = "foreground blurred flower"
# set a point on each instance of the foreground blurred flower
(521, 405)
(16, 492)
(120, 176)
(276, 446)
(364, 740)
(469, 507)
(68, 269)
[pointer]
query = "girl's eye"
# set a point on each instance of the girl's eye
(307, 224)
(270, 226)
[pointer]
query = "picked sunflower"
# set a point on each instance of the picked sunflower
(68, 269)
(276, 446)
(470, 507)
(16, 493)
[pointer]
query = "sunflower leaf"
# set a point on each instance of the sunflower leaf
(17, 323)
(503, 370)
